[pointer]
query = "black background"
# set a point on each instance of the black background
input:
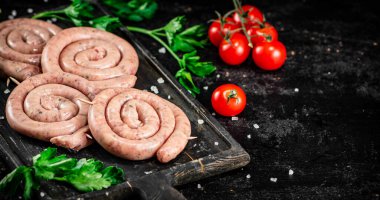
(328, 132)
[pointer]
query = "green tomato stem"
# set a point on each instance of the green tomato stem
(238, 9)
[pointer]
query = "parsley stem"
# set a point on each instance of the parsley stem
(48, 14)
(155, 37)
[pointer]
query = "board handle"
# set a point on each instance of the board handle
(155, 187)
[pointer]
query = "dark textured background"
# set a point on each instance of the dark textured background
(328, 132)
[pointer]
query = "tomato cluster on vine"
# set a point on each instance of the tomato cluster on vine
(236, 33)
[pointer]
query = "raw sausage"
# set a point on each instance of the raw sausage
(48, 107)
(136, 125)
(21, 43)
(103, 58)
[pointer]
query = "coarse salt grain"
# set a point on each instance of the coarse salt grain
(160, 80)
(162, 50)
(49, 21)
(249, 136)
(256, 126)
(244, 75)
(216, 143)
(148, 172)
(227, 74)
(42, 194)
(205, 87)
(55, 19)
(292, 53)
(200, 121)
(7, 91)
(296, 90)
(218, 76)
(199, 186)
(14, 12)
(29, 10)
(291, 172)
(375, 44)
(234, 118)
(154, 89)
(107, 193)
(248, 176)
(90, 22)
(169, 97)
(273, 180)
(213, 114)
(11, 17)
(328, 49)
(46, 1)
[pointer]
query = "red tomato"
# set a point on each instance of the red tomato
(269, 55)
(251, 14)
(228, 100)
(216, 35)
(235, 50)
(262, 34)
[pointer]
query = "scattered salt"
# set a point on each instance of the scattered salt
(216, 143)
(273, 180)
(248, 176)
(49, 21)
(29, 10)
(291, 172)
(234, 118)
(0, 10)
(244, 75)
(46, 1)
(213, 114)
(256, 126)
(160, 80)
(375, 44)
(7, 91)
(227, 74)
(199, 186)
(292, 53)
(218, 76)
(107, 193)
(194, 145)
(328, 73)
(11, 17)
(14, 13)
(148, 172)
(90, 22)
(169, 97)
(154, 89)
(296, 90)
(328, 49)
(249, 136)
(55, 19)
(200, 121)
(205, 87)
(162, 50)
(42, 194)
(337, 50)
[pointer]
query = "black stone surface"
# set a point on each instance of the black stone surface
(328, 132)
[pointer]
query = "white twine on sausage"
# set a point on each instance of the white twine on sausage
(191, 138)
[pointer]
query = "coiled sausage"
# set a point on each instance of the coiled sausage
(103, 58)
(48, 107)
(21, 43)
(136, 125)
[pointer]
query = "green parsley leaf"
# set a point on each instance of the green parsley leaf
(11, 182)
(185, 79)
(106, 23)
(79, 9)
(134, 10)
(191, 62)
(47, 165)
(189, 39)
(175, 25)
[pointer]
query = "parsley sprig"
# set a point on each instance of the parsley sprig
(80, 13)
(134, 10)
(85, 175)
(186, 41)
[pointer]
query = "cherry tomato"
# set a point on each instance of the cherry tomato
(269, 55)
(214, 32)
(251, 14)
(228, 100)
(234, 50)
(262, 34)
